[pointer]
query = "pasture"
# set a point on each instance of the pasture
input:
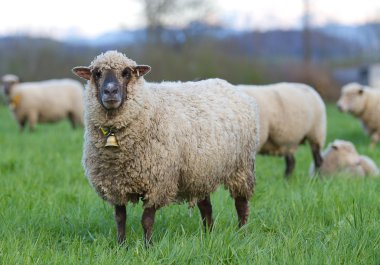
(50, 214)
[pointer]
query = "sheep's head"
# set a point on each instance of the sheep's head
(8, 82)
(343, 153)
(352, 99)
(111, 74)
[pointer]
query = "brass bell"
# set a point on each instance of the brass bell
(111, 141)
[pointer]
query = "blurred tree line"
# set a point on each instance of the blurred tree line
(196, 51)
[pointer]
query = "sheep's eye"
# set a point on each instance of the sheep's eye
(361, 92)
(125, 73)
(98, 74)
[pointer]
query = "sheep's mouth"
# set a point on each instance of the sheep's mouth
(110, 104)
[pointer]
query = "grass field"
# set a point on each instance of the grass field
(49, 214)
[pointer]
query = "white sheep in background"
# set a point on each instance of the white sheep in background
(290, 113)
(341, 158)
(363, 103)
(165, 142)
(44, 101)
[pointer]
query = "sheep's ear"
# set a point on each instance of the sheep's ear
(141, 70)
(83, 72)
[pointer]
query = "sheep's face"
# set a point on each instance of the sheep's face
(352, 99)
(111, 84)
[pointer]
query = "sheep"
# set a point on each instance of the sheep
(342, 158)
(290, 113)
(44, 101)
(165, 142)
(363, 103)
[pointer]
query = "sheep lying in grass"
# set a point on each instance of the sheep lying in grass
(165, 142)
(290, 113)
(341, 158)
(364, 103)
(44, 101)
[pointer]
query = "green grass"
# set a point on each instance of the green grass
(49, 214)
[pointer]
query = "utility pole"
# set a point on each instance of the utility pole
(306, 33)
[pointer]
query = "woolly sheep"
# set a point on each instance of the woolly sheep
(174, 141)
(342, 158)
(45, 101)
(290, 113)
(363, 103)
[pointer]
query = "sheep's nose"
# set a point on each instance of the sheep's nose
(111, 89)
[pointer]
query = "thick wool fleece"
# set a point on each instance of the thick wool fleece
(47, 101)
(178, 141)
(364, 105)
(289, 114)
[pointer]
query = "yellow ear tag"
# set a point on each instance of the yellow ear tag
(15, 101)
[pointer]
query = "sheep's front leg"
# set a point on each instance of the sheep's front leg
(205, 208)
(120, 218)
(147, 222)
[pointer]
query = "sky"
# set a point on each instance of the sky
(59, 19)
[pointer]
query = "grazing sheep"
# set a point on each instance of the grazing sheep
(364, 103)
(341, 158)
(44, 101)
(165, 142)
(290, 113)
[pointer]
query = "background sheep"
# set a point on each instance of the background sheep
(290, 113)
(341, 158)
(44, 101)
(363, 103)
(176, 141)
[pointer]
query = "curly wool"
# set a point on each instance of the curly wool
(178, 141)
(289, 114)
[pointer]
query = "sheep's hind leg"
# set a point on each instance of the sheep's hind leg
(290, 162)
(318, 160)
(147, 222)
(205, 209)
(242, 209)
(120, 218)
(72, 120)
